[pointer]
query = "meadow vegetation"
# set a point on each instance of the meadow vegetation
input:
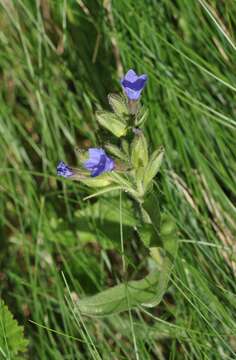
(59, 60)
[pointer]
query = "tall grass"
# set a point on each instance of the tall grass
(58, 62)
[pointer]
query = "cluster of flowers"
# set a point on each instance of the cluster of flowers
(99, 162)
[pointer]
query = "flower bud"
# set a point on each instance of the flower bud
(139, 151)
(112, 122)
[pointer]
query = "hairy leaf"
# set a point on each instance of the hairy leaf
(146, 292)
(12, 341)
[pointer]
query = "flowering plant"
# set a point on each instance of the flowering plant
(131, 168)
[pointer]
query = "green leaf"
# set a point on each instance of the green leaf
(168, 226)
(169, 234)
(98, 181)
(153, 166)
(118, 104)
(100, 221)
(151, 206)
(139, 151)
(103, 191)
(149, 229)
(12, 341)
(146, 292)
(106, 210)
(141, 117)
(114, 150)
(112, 123)
(146, 232)
(121, 180)
(125, 147)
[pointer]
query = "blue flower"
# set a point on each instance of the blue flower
(133, 84)
(64, 170)
(98, 162)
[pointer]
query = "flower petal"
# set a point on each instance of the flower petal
(98, 162)
(133, 84)
(132, 94)
(95, 153)
(131, 76)
(99, 168)
(109, 165)
(90, 164)
(137, 85)
(64, 170)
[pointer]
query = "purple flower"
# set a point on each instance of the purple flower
(64, 170)
(133, 84)
(98, 162)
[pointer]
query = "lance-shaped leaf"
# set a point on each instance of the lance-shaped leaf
(141, 117)
(96, 182)
(122, 180)
(114, 150)
(139, 151)
(112, 123)
(146, 292)
(125, 146)
(151, 206)
(149, 231)
(146, 233)
(118, 104)
(153, 166)
(103, 191)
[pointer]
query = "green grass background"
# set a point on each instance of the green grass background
(59, 60)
